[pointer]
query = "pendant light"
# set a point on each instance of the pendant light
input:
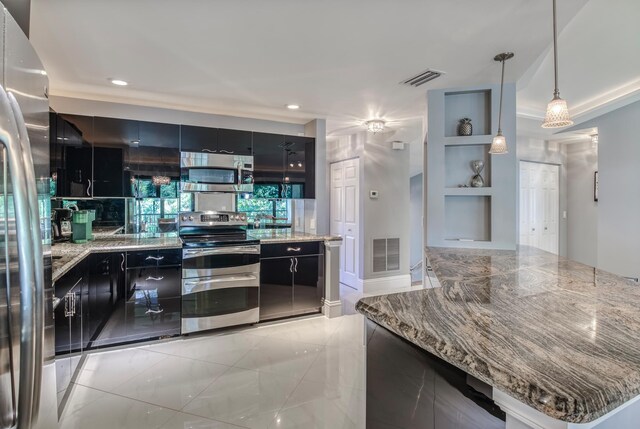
(499, 144)
(557, 115)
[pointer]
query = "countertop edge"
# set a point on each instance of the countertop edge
(60, 272)
(430, 345)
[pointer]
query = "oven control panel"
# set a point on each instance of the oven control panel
(212, 218)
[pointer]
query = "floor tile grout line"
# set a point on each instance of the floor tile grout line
(229, 368)
(83, 369)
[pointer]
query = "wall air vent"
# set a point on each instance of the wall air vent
(422, 78)
(386, 254)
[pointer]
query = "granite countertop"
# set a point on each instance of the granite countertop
(559, 336)
(267, 236)
(66, 255)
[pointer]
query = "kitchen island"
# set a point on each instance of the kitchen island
(553, 343)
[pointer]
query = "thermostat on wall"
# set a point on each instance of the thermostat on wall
(373, 195)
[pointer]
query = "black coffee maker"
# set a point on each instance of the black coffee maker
(61, 224)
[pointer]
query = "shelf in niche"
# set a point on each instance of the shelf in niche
(474, 104)
(468, 140)
(457, 164)
(467, 217)
(485, 191)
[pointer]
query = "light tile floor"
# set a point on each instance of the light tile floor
(307, 373)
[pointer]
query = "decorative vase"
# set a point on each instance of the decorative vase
(464, 127)
(477, 181)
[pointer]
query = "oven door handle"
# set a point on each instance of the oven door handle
(250, 250)
(222, 282)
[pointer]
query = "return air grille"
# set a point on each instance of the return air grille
(386, 254)
(422, 78)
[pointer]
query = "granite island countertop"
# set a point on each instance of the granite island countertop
(66, 255)
(557, 335)
(269, 236)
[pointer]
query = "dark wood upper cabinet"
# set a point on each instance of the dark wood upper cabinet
(198, 139)
(235, 142)
(268, 159)
(214, 140)
(287, 162)
(113, 141)
(299, 167)
(72, 155)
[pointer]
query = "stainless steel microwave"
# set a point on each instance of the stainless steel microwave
(206, 172)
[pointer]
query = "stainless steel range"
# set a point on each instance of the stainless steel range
(220, 271)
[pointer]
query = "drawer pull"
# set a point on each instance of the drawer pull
(154, 258)
(155, 278)
(294, 249)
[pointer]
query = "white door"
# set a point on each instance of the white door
(345, 177)
(539, 205)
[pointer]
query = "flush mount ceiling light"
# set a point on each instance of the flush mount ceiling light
(375, 125)
(557, 115)
(293, 106)
(118, 82)
(499, 143)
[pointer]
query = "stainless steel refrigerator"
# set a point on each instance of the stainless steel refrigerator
(27, 367)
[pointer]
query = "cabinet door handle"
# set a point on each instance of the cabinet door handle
(89, 187)
(68, 305)
(294, 249)
(226, 151)
(291, 266)
(154, 258)
(295, 267)
(122, 263)
(209, 150)
(155, 278)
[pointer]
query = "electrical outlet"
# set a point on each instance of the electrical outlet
(373, 195)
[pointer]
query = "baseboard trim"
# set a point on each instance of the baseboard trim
(332, 309)
(386, 283)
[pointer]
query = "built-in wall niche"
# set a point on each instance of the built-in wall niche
(458, 160)
(475, 105)
(467, 218)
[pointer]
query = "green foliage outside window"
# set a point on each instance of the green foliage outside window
(150, 208)
(264, 202)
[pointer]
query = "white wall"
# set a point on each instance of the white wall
(619, 198)
(386, 171)
(582, 220)
(538, 150)
(415, 218)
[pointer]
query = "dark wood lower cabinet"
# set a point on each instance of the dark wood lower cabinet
(104, 302)
(409, 388)
(291, 281)
(154, 301)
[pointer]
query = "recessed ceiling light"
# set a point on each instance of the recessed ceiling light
(119, 82)
(293, 106)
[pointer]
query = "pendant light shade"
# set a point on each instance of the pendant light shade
(499, 143)
(557, 115)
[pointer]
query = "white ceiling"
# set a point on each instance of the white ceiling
(341, 60)
(599, 61)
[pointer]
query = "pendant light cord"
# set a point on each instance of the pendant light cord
(501, 88)
(556, 92)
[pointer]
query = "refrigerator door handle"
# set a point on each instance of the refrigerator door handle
(30, 258)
